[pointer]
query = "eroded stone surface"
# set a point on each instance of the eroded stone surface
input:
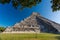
(35, 23)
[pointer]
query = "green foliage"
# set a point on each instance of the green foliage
(55, 5)
(29, 3)
(2, 29)
(4, 1)
(21, 3)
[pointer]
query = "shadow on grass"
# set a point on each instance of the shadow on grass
(58, 37)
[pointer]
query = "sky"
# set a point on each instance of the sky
(9, 15)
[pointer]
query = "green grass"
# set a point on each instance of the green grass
(31, 36)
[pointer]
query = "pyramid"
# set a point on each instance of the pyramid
(36, 23)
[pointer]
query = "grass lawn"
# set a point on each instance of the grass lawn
(27, 36)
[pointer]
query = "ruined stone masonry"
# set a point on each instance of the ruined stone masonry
(35, 23)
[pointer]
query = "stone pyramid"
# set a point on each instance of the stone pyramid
(36, 23)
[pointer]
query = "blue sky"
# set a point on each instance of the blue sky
(9, 15)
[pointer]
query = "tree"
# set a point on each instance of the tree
(30, 3)
(55, 5)
(22, 3)
(2, 29)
